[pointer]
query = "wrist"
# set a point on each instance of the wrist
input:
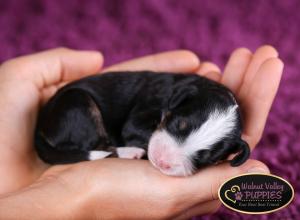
(18, 206)
(36, 204)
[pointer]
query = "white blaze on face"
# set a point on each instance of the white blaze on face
(173, 158)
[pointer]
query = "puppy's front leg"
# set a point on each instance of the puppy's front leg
(130, 152)
(97, 154)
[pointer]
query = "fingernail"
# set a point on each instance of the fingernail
(258, 170)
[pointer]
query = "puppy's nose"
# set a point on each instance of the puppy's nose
(163, 164)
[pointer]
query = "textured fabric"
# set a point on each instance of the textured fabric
(126, 29)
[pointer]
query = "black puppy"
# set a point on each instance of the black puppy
(183, 121)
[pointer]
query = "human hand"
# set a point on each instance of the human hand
(28, 161)
(254, 79)
(119, 189)
(27, 82)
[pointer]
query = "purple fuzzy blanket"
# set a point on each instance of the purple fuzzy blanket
(126, 29)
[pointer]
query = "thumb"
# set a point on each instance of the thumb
(204, 186)
(53, 66)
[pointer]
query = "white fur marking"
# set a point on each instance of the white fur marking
(218, 125)
(130, 152)
(164, 146)
(95, 154)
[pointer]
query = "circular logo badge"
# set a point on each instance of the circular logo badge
(256, 193)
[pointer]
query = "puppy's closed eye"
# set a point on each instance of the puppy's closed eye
(182, 125)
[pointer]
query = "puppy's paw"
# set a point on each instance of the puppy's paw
(97, 154)
(130, 152)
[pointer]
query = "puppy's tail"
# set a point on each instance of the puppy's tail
(53, 155)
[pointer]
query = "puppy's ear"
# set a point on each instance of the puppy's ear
(180, 94)
(243, 154)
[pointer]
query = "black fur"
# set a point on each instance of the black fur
(125, 108)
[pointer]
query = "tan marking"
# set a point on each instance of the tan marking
(97, 116)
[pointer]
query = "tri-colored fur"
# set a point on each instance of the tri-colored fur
(182, 121)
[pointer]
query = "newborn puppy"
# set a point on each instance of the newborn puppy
(182, 121)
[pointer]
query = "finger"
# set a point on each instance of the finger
(207, 67)
(53, 66)
(209, 207)
(204, 185)
(260, 98)
(215, 76)
(49, 91)
(236, 68)
(261, 55)
(210, 70)
(171, 61)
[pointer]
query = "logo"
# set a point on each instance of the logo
(256, 193)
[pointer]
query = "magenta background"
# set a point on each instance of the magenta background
(212, 29)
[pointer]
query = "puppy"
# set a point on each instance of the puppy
(180, 122)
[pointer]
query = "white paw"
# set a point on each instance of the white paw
(130, 152)
(96, 154)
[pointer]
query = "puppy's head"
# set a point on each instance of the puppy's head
(199, 128)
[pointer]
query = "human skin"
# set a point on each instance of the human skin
(117, 188)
